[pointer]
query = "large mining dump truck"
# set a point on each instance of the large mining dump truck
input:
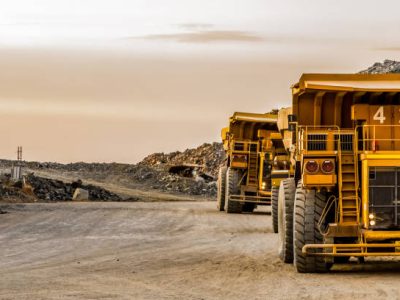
(253, 144)
(344, 199)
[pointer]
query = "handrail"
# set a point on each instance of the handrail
(369, 137)
(248, 142)
(370, 141)
(334, 130)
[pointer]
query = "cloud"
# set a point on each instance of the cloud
(387, 49)
(195, 26)
(196, 35)
(207, 36)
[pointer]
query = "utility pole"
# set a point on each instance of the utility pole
(16, 171)
(19, 153)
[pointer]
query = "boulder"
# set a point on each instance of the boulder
(80, 195)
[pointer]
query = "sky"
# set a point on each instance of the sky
(103, 81)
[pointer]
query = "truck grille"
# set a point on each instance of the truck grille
(239, 147)
(316, 142)
(384, 192)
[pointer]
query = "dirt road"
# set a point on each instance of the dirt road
(162, 250)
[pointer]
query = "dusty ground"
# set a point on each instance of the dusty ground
(162, 250)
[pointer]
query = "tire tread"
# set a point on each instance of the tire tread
(232, 181)
(309, 205)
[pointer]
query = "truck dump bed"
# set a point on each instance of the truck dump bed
(245, 126)
(326, 99)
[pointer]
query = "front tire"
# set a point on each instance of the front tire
(274, 208)
(309, 205)
(285, 219)
(221, 189)
(232, 188)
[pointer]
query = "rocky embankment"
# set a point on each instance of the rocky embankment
(191, 172)
(207, 157)
(34, 188)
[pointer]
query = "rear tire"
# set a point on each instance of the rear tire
(248, 207)
(308, 209)
(285, 219)
(274, 208)
(221, 189)
(232, 188)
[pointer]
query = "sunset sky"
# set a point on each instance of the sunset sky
(100, 80)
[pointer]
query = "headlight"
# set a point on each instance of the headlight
(263, 185)
(328, 166)
(372, 222)
(371, 216)
(312, 166)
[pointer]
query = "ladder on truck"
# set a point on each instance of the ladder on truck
(348, 184)
(252, 172)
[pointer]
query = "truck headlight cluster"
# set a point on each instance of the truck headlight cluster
(263, 185)
(312, 166)
(372, 221)
(328, 166)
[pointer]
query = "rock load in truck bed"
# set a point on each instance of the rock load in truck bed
(388, 66)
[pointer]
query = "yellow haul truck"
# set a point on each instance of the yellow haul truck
(344, 200)
(251, 142)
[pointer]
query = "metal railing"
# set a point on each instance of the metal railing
(324, 138)
(360, 139)
(243, 146)
(378, 137)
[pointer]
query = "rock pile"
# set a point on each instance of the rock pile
(191, 172)
(388, 66)
(207, 156)
(57, 190)
(191, 186)
(8, 192)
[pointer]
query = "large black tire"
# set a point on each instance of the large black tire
(341, 259)
(221, 188)
(287, 190)
(274, 207)
(248, 207)
(309, 205)
(232, 188)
